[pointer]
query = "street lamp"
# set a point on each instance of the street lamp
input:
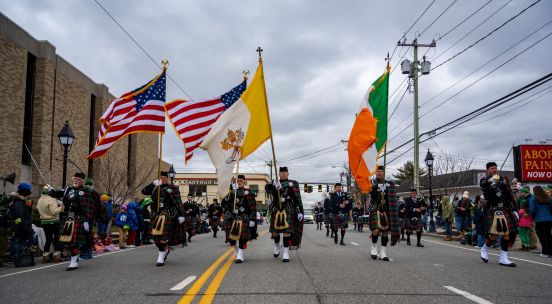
(172, 174)
(66, 138)
(429, 163)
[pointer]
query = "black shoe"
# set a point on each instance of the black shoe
(238, 261)
(408, 242)
(327, 233)
(341, 243)
(385, 259)
(419, 245)
(403, 239)
(335, 239)
(374, 257)
(160, 264)
(508, 265)
(189, 240)
(71, 268)
(285, 260)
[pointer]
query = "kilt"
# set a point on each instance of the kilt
(414, 224)
(214, 222)
(245, 233)
(374, 219)
(401, 222)
(173, 232)
(326, 219)
(290, 219)
(79, 236)
(337, 223)
(510, 219)
(319, 218)
(190, 222)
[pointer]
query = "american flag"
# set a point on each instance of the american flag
(140, 110)
(192, 120)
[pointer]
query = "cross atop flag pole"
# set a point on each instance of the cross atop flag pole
(140, 110)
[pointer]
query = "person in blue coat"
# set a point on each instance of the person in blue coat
(540, 207)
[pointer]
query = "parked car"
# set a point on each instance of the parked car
(308, 218)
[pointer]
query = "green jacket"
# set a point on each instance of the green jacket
(448, 212)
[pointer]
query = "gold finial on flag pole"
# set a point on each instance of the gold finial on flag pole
(165, 63)
(245, 74)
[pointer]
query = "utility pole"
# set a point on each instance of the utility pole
(269, 164)
(412, 69)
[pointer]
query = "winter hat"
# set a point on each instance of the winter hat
(124, 208)
(104, 197)
(88, 182)
(25, 187)
(466, 194)
(146, 202)
(525, 190)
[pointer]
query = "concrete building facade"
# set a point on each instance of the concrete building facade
(204, 187)
(39, 92)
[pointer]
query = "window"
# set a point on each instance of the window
(197, 190)
(254, 189)
(29, 106)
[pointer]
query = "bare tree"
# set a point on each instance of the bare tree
(450, 172)
(122, 184)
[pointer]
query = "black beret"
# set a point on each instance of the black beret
(283, 169)
(165, 173)
(79, 175)
(241, 176)
(491, 164)
(381, 168)
(337, 184)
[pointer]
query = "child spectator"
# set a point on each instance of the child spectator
(478, 221)
(133, 223)
(525, 220)
(122, 220)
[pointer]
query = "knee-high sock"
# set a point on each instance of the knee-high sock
(277, 239)
(488, 242)
(342, 234)
(384, 240)
(232, 242)
(286, 241)
(161, 246)
(418, 236)
(375, 239)
(504, 244)
(242, 244)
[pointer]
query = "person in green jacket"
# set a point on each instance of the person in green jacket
(448, 216)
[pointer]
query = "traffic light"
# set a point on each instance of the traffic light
(327, 188)
(319, 188)
(310, 189)
(306, 188)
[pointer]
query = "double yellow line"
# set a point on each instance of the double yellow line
(211, 291)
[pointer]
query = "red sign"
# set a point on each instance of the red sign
(536, 163)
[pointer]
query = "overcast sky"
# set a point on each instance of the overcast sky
(320, 57)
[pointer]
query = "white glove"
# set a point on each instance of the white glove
(300, 216)
(381, 187)
(276, 184)
(156, 182)
(86, 226)
(234, 187)
(241, 209)
(180, 219)
(251, 224)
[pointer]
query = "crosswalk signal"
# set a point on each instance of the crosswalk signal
(319, 188)
(306, 188)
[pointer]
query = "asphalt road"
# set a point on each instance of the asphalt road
(321, 272)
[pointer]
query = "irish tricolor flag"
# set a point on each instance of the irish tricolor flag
(369, 134)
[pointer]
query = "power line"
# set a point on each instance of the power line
(487, 74)
(141, 48)
(453, 2)
(395, 109)
(313, 156)
(472, 115)
(312, 153)
(485, 37)
(485, 64)
(476, 27)
(465, 19)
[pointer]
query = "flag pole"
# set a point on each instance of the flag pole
(385, 145)
(236, 190)
(165, 63)
(260, 50)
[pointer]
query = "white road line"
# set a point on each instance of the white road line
(65, 263)
(468, 295)
(354, 243)
(476, 250)
(184, 283)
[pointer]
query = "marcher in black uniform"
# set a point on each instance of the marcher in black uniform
(358, 213)
(318, 215)
(191, 212)
(166, 214)
(383, 214)
(240, 201)
(213, 214)
(401, 218)
(500, 214)
(327, 212)
(414, 208)
(341, 206)
(286, 213)
(82, 207)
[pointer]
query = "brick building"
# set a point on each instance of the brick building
(39, 91)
